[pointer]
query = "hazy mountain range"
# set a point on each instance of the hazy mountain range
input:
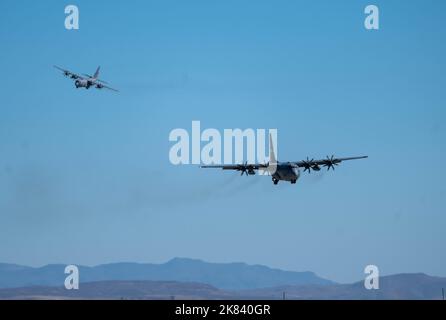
(414, 286)
(195, 279)
(230, 276)
(401, 286)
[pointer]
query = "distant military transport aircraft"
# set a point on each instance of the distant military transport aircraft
(86, 81)
(287, 171)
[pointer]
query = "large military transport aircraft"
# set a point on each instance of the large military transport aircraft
(86, 81)
(286, 171)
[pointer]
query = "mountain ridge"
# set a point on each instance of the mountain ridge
(417, 286)
(229, 276)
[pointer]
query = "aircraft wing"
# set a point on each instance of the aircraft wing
(243, 168)
(329, 162)
(68, 73)
(101, 85)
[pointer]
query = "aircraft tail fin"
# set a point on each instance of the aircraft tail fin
(96, 74)
(272, 155)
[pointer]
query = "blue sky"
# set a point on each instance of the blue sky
(85, 176)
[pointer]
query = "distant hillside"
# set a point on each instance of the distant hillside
(416, 286)
(135, 290)
(230, 276)
(402, 286)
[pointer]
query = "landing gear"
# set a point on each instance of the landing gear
(275, 181)
(293, 181)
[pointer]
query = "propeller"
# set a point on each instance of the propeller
(330, 163)
(244, 169)
(247, 169)
(308, 165)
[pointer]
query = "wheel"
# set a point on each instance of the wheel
(293, 181)
(275, 181)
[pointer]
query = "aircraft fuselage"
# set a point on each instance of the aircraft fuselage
(285, 171)
(82, 83)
